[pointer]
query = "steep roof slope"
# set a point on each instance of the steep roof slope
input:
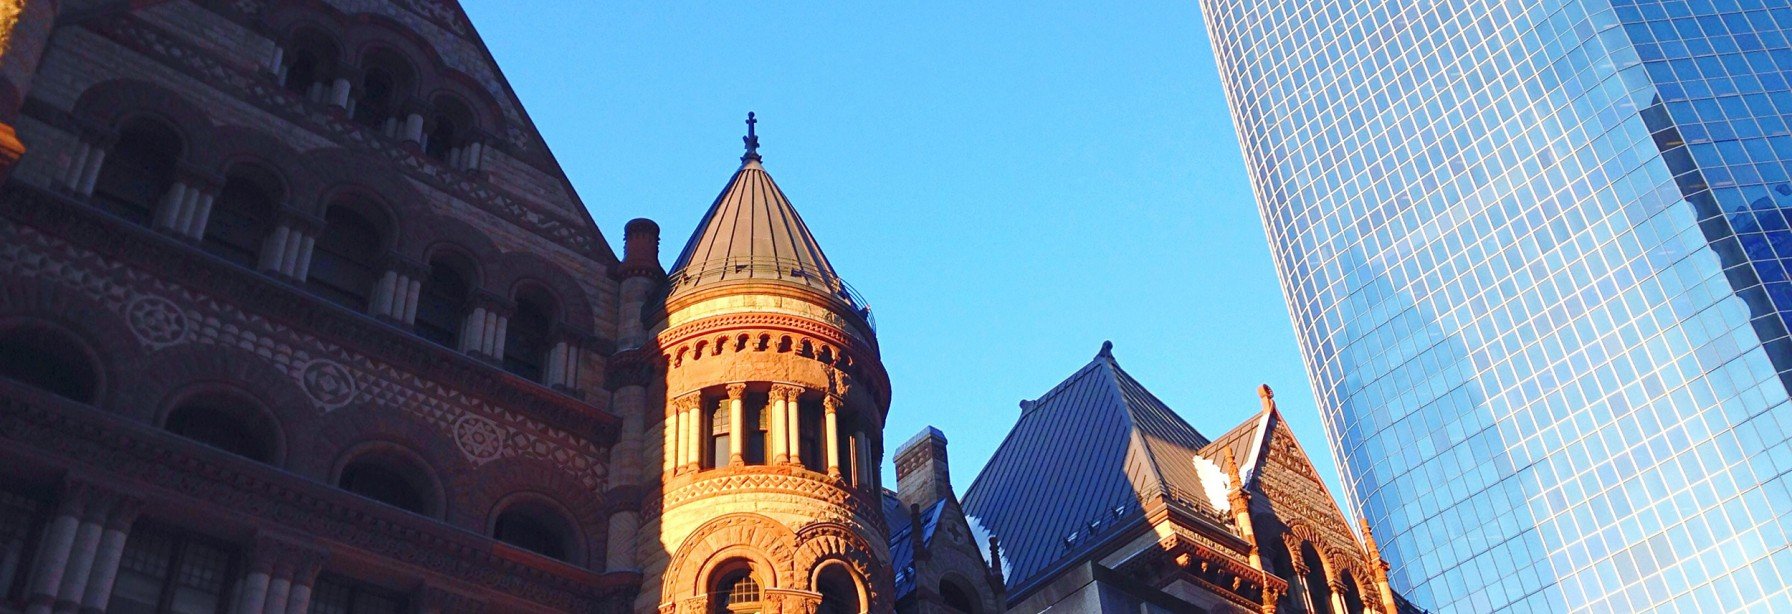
(1077, 466)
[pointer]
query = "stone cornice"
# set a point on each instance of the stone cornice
(271, 298)
(213, 483)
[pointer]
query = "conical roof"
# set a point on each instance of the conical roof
(752, 233)
(752, 221)
(1107, 445)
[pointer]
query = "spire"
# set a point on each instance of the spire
(752, 141)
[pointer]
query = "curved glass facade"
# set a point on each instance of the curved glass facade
(1537, 256)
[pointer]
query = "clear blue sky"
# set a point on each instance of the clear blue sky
(1008, 183)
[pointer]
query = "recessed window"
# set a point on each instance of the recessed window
(344, 261)
(526, 340)
(839, 593)
(535, 527)
(138, 171)
(389, 478)
(48, 359)
(225, 422)
(442, 302)
(242, 216)
(957, 598)
(736, 590)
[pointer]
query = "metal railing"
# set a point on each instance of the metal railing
(779, 269)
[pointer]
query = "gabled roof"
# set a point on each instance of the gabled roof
(1245, 444)
(1074, 471)
(902, 546)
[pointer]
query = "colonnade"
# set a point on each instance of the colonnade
(687, 433)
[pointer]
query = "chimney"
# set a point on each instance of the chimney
(641, 248)
(921, 469)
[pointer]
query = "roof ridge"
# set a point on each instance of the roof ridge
(1134, 433)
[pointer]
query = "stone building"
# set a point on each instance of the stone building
(1145, 514)
(299, 314)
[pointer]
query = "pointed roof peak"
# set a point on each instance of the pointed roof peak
(752, 233)
(752, 157)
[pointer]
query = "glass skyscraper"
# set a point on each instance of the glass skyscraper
(1537, 255)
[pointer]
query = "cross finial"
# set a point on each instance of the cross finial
(752, 140)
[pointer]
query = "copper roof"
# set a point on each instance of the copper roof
(751, 232)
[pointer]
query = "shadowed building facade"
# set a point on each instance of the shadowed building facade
(1536, 257)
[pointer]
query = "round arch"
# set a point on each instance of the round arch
(381, 469)
(226, 416)
(758, 539)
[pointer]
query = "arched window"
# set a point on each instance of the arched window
(1353, 600)
(735, 590)
(242, 215)
(1319, 595)
(310, 64)
(386, 80)
(527, 340)
(139, 170)
(720, 426)
(450, 126)
(535, 527)
(345, 256)
(839, 593)
(957, 598)
(442, 302)
(49, 359)
(391, 478)
(226, 422)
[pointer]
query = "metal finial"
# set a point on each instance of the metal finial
(751, 139)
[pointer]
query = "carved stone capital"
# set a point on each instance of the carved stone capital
(737, 391)
(786, 392)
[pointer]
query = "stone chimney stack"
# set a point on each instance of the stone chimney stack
(922, 475)
(641, 248)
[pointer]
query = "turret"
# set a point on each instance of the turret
(775, 401)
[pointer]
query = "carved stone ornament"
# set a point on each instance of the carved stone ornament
(157, 322)
(480, 439)
(328, 383)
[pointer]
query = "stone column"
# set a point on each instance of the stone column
(187, 207)
(619, 553)
(342, 90)
(395, 296)
(669, 432)
(82, 167)
(114, 533)
(793, 417)
(483, 332)
(287, 253)
(737, 423)
(831, 405)
(57, 548)
(304, 577)
(693, 423)
(563, 362)
(780, 425)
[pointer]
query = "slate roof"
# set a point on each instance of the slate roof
(902, 549)
(751, 232)
(1071, 475)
